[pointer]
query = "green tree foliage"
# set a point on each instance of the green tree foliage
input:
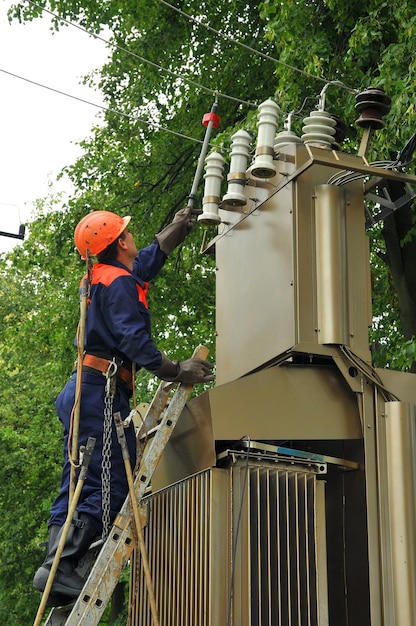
(35, 351)
(162, 75)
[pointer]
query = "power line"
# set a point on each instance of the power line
(189, 80)
(107, 109)
(143, 59)
(128, 52)
(250, 49)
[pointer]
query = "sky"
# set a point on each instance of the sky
(39, 129)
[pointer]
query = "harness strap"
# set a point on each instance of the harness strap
(102, 366)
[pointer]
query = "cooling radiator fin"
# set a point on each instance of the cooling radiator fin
(255, 529)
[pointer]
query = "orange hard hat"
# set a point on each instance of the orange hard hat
(97, 230)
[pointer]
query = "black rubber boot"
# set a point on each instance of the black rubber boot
(54, 599)
(67, 583)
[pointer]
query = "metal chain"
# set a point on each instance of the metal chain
(110, 390)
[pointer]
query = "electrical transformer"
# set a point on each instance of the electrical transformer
(286, 496)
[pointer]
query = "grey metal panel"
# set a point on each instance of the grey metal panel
(286, 402)
(331, 274)
(357, 257)
(269, 278)
(402, 384)
(321, 553)
(191, 446)
(398, 494)
(187, 540)
(358, 274)
(305, 282)
(255, 293)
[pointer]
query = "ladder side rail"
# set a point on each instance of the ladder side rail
(104, 575)
(118, 547)
(154, 414)
(155, 409)
(160, 440)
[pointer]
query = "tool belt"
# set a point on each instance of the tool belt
(100, 365)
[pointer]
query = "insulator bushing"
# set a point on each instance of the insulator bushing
(372, 104)
(267, 123)
(285, 138)
(240, 152)
(319, 129)
(214, 166)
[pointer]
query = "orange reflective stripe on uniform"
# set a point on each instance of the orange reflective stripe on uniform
(106, 274)
(143, 294)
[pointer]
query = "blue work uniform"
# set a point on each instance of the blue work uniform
(117, 325)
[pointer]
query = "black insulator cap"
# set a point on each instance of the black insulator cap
(372, 104)
(340, 130)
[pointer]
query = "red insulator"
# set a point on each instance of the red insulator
(208, 117)
(372, 104)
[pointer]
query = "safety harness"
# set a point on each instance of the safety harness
(98, 364)
(113, 369)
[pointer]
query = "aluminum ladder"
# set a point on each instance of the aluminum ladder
(152, 436)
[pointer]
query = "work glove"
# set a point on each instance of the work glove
(195, 371)
(190, 372)
(174, 234)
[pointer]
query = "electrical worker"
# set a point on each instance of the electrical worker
(117, 338)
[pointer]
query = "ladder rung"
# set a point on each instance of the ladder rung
(97, 544)
(149, 433)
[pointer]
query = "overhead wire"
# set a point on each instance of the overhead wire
(109, 109)
(211, 29)
(143, 59)
(161, 68)
(253, 50)
(104, 108)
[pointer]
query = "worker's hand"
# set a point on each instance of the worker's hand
(184, 217)
(195, 371)
(174, 234)
(190, 372)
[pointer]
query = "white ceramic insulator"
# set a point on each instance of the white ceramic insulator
(319, 129)
(214, 167)
(285, 138)
(267, 124)
(240, 152)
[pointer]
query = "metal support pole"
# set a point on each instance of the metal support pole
(212, 122)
